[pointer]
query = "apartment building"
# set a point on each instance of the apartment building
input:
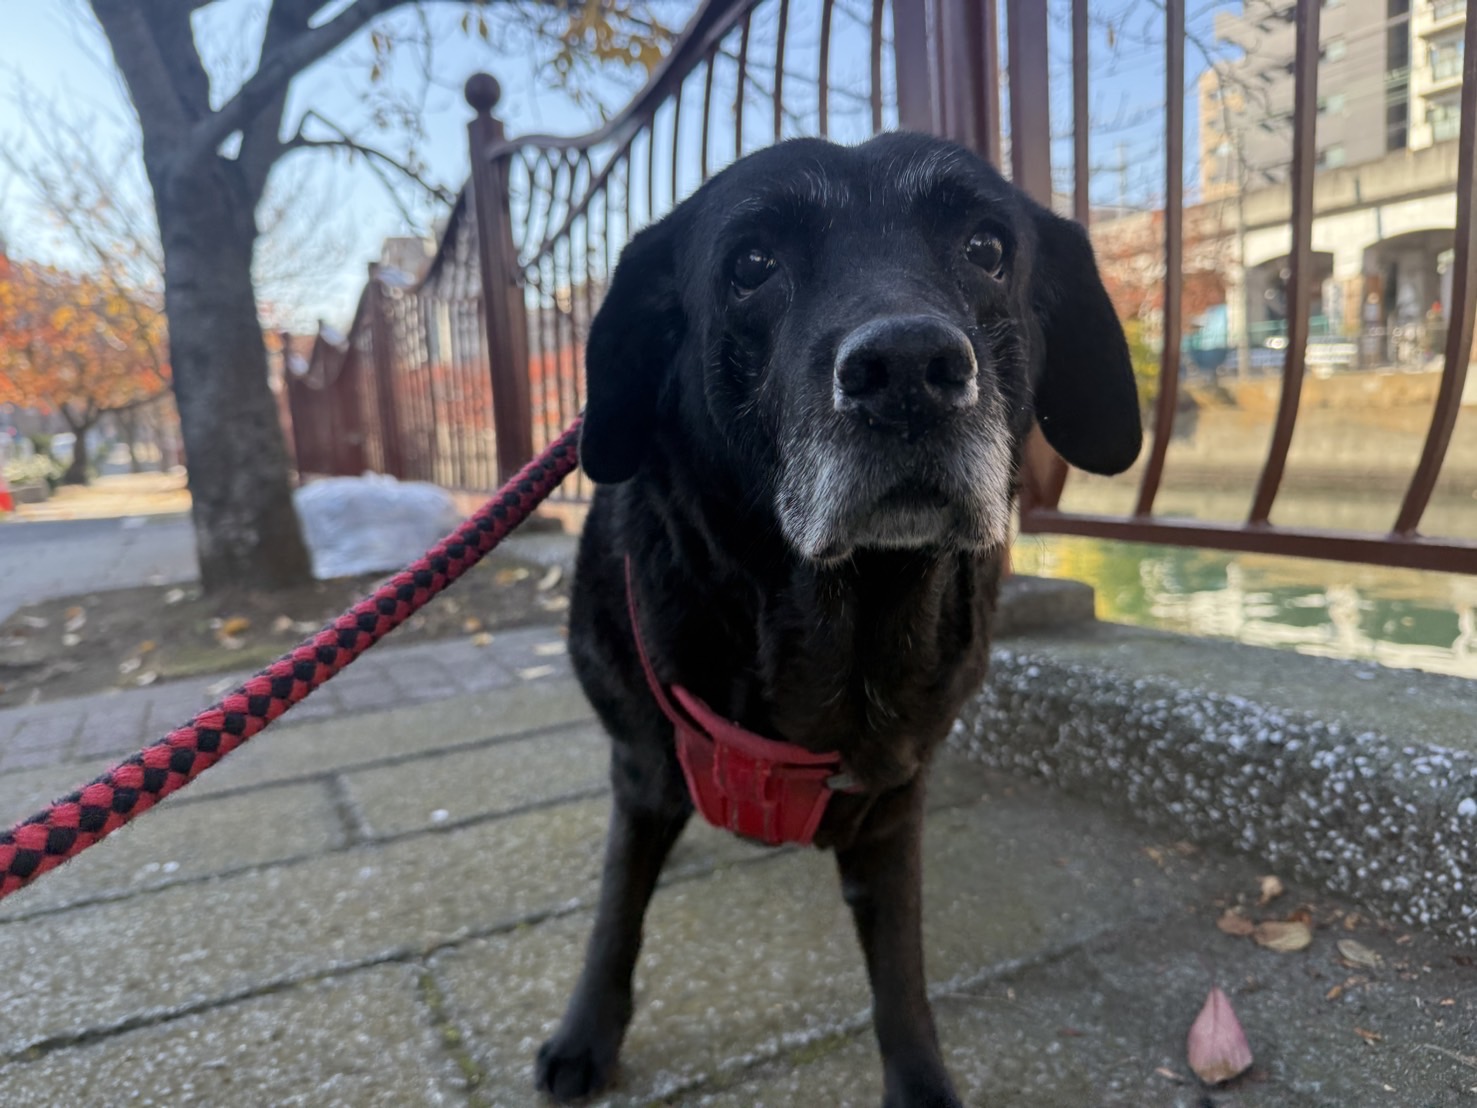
(1366, 81)
(1438, 30)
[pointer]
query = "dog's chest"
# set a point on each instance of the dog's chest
(877, 676)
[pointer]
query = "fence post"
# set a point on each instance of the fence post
(918, 105)
(382, 354)
(967, 82)
(504, 312)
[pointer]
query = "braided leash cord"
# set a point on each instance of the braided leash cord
(75, 822)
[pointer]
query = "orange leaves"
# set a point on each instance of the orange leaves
(77, 341)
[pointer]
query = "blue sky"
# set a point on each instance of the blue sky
(57, 49)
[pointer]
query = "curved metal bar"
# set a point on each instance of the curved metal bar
(823, 90)
(1081, 201)
(876, 90)
(1463, 302)
(779, 68)
(741, 95)
(1300, 264)
(1174, 225)
(676, 138)
(651, 171)
(711, 22)
(707, 111)
(625, 205)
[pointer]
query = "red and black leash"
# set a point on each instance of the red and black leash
(79, 819)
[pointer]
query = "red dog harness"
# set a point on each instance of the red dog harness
(758, 788)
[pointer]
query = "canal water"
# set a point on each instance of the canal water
(1397, 618)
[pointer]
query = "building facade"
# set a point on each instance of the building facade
(1366, 83)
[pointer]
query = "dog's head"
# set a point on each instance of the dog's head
(861, 336)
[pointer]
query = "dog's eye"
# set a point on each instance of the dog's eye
(751, 268)
(986, 251)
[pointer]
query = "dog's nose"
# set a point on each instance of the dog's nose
(905, 373)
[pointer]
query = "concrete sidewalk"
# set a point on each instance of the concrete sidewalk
(384, 899)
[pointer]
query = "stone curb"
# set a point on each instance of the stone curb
(1229, 748)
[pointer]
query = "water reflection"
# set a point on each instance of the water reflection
(1401, 618)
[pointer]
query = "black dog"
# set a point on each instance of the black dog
(808, 390)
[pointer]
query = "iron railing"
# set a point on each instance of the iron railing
(407, 391)
(550, 214)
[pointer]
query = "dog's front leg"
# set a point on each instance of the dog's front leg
(579, 1059)
(882, 881)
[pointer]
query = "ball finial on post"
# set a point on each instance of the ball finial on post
(482, 92)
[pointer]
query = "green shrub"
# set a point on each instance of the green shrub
(33, 471)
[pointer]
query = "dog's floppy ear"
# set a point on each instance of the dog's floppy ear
(633, 340)
(1086, 399)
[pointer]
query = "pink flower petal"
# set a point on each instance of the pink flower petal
(1217, 1047)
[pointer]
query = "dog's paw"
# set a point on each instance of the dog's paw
(920, 1090)
(575, 1064)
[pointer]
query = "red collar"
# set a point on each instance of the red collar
(775, 792)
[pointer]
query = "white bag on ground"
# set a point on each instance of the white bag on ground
(371, 524)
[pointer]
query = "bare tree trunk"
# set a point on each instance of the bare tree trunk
(246, 529)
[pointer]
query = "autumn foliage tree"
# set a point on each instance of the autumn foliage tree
(79, 346)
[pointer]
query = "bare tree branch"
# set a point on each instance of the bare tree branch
(278, 69)
(342, 140)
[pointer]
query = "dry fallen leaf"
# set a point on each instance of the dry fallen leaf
(128, 665)
(1283, 936)
(1344, 986)
(510, 575)
(481, 638)
(471, 625)
(70, 639)
(549, 649)
(1233, 922)
(146, 678)
(551, 578)
(174, 596)
(282, 624)
(146, 646)
(233, 627)
(1216, 1046)
(532, 673)
(553, 603)
(1169, 1074)
(230, 642)
(76, 618)
(1370, 1037)
(1272, 888)
(35, 623)
(1358, 954)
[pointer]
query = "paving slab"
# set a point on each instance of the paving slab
(458, 785)
(201, 943)
(178, 842)
(1356, 777)
(756, 959)
(410, 730)
(363, 1040)
(1105, 1025)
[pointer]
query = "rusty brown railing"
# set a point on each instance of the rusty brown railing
(407, 391)
(549, 215)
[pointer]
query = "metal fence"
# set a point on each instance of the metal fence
(407, 391)
(549, 214)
